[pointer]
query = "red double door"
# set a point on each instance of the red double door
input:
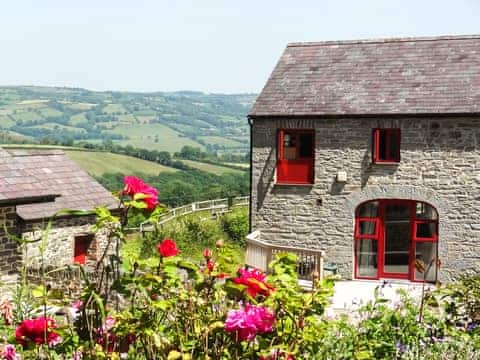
(391, 235)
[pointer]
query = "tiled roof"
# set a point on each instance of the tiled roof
(391, 76)
(41, 172)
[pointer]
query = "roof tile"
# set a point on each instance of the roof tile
(46, 173)
(390, 76)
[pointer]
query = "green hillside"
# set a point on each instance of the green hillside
(214, 169)
(99, 163)
(155, 121)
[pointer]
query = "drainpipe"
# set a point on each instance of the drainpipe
(250, 123)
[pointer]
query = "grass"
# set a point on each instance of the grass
(47, 112)
(6, 122)
(221, 141)
(243, 165)
(153, 137)
(78, 119)
(98, 163)
(214, 169)
(114, 108)
(79, 106)
(26, 116)
(192, 236)
(55, 126)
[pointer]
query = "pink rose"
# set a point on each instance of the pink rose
(249, 321)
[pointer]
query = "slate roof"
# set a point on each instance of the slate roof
(390, 76)
(42, 172)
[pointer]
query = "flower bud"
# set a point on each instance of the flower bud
(207, 253)
(220, 243)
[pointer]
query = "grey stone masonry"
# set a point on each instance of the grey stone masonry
(440, 165)
(9, 254)
(59, 250)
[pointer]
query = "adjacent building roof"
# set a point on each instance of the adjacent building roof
(390, 76)
(48, 172)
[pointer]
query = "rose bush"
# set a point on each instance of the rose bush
(177, 309)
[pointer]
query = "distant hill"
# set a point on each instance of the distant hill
(164, 121)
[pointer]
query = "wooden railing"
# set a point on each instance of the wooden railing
(259, 254)
(211, 207)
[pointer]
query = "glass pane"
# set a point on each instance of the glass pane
(289, 146)
(426, 255)
(367, 227)
(382, 145)
(397, 212)
(369, 209)
(426, 230)
(394, 142)
(397, 247)
(306, 145)
(367, 258)
(425, 211)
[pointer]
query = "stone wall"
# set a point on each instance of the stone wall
(60, 241)
(9, 254)
(440, 164)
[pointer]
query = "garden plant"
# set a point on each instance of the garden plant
(175, 308)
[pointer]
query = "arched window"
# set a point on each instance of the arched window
(396, 239)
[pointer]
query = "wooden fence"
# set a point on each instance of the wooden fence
(211, 207)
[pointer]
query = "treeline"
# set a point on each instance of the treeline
(159, 157)
(183, 187)
(195, 153)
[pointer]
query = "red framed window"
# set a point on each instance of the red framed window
(386, 145)
(394, 236)
(295, 156)
(81, 246)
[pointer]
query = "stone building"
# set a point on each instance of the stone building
(34, 186)
(370, 151)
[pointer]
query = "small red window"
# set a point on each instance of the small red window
(386, 145)
(82, 244)
(295, 156)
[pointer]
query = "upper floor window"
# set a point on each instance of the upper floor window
(386, 145)
(295, 156)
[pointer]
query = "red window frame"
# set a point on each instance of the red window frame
(380, 234)
(299, 170)
(388, 136)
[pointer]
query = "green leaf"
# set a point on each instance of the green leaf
(38, 292)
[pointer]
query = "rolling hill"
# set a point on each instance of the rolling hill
(164, 121)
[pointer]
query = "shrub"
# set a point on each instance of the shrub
(236, 225)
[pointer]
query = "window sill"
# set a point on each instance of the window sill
(294, 184)
(385, 163)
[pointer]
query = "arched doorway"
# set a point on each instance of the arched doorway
(393, 235)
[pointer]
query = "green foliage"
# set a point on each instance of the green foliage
(183, 187)
(160, 121)
(236, 225)
(193, 235)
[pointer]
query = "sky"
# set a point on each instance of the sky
(206, 45)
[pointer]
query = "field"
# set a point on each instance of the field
(164, 121)
(214, 169)
(228, 143)
(153, 137)
(98, 163)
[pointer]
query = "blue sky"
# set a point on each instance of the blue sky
(208, 45)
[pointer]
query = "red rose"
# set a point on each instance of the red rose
(167, 248)
(210, 265)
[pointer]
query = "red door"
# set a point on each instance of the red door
(395, 238)
(82, 243)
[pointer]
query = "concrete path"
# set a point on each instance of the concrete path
(349, 295)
